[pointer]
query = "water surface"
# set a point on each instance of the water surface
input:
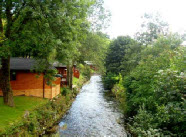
(93, 114)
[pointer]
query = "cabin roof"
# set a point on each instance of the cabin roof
(88, 62)
(24, 64)
(17, 63)
(57, 64)
(21, 63)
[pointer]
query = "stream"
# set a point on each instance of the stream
(94, 113)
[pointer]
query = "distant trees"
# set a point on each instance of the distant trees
(98, 16)
(94, 49)
(151, 28)
(119, 52)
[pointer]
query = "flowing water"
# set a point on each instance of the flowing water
(93, 114)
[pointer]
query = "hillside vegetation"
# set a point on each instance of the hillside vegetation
(149, 81)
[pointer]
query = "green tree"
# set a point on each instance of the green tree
(116, 53)
(81, 24)
(25, 32)
(157, 85)
(37, 29)
(94, 49)
(98, 16)
(131, 58)
(71, 33)
(44, 30)
(152, 27)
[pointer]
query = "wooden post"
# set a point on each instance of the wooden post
(43, 85)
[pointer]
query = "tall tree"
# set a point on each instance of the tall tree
(94, 49)
(116, 53)
(99, 17)
(151, 28)
(80, 24)
(27, 30)
(72, 31)
(6, 7)
(40, 29)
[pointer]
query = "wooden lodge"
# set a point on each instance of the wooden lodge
(26, 82)
(76, 72)
(91, 64)
(62, 69)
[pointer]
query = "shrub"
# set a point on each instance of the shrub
(153, 90)
(143, 124)
(86, 72)
(110, 80)
(161, 89)
(65, 91)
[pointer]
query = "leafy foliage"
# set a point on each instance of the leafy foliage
(85, 71)
(152, 91)
(94, 49)
(116, 53)
(98, 16)
(47, 30)
(109, 80)
(159, 87)
(152, 27)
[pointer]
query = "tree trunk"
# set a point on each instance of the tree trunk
(71, 76)
(5, 70)
(5, 82)
(44, 85)
(1, 17)
(68, 74)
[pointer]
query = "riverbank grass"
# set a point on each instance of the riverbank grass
(75, 81)
(10, 114)
(79, 81)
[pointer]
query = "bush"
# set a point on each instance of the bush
(143, 124)
(160, 87)
(120, 92)
(153, 90)
(110, 80)
(65, 91)
(85, 71)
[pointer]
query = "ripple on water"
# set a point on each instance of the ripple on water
(92, 114)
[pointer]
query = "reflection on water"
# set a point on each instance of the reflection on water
(92, 114)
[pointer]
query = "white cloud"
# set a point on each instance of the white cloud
(126, 14)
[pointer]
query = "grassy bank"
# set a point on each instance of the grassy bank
(79, 82)
(33, 116)
(8, 115)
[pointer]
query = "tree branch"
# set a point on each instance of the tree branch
(9, 17)
(19, 11)
(1, 17)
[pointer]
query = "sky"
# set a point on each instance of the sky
(126, 15)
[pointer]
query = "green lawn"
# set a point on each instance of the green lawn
(77, 80)
(8, 114)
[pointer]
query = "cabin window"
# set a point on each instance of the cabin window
(12, 75)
